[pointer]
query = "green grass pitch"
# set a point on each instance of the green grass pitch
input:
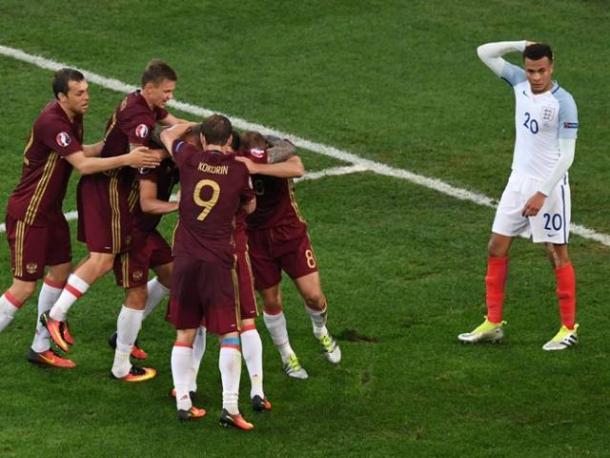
(403, 266)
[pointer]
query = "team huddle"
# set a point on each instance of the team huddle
(239, 228)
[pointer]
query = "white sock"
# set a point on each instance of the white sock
(182, 373)
(46, 298)
(198, 352)
(229, 363)
(75, 288)
(7, 311)
(276, 325)
(318, 321)
(128, 326)
(156, 293)
(252, 351)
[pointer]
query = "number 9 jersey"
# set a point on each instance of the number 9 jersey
(213, 186)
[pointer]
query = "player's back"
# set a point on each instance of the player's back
(213, 186)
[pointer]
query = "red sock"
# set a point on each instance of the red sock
(495, 281)
(566, 293)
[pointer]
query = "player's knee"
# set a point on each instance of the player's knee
(315, 300)
(101, 263)
(135, 298)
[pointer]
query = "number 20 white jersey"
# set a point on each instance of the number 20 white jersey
(540, 121)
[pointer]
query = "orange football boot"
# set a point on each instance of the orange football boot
(50, 358)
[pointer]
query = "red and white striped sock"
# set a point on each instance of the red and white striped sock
(49, 293)
(182, 374)
(229, 363)
(9, 305)
(252, 351)
(74, 289)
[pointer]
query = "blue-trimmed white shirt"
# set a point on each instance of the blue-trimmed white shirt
(540, 121)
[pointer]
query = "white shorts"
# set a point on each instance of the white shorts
(550, 225)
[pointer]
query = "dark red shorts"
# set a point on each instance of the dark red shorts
(247, 299)
(203, 290)
(105, 201)
(270, 254)
(148, 250)
(34, 247)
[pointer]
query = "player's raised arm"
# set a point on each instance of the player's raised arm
(171, 134)
(491, 55)
(139, 157)
(289, 168)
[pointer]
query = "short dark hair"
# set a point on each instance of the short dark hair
(537, 51)
(252, 139)
(216, 130)
(62, 78)
(157, 71)
(235, 141)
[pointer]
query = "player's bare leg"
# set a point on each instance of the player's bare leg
(566, 294)
(229, 363)
(275, 321)
(183, 373)
(129, 324)
(92, 268)
(41, 351)
(252, 351)
(491, 330)
(317, 307)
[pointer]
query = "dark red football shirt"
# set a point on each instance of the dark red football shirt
(213, 186)
(276, 204)
(131, 123)
(165, 176)
(38, 197)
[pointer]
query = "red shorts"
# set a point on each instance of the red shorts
(148, 250)
(247, 299)
(203, 290)
(270, 254)
(105, 201)
(34, 247)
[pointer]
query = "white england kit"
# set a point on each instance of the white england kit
(540, 121)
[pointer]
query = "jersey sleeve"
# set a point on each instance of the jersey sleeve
(568, 115)
(260, 156)
(512, 74)
(138, 128)
(145, 174)
(180, 152)
(59, 137)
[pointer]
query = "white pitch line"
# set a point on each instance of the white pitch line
(379, 168)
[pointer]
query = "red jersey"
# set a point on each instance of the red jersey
(38, 197)
(213, 187)
(131, 123)
(276, 204)
(165, 176)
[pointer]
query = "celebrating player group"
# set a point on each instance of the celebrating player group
(239, 228)
(125, 187)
